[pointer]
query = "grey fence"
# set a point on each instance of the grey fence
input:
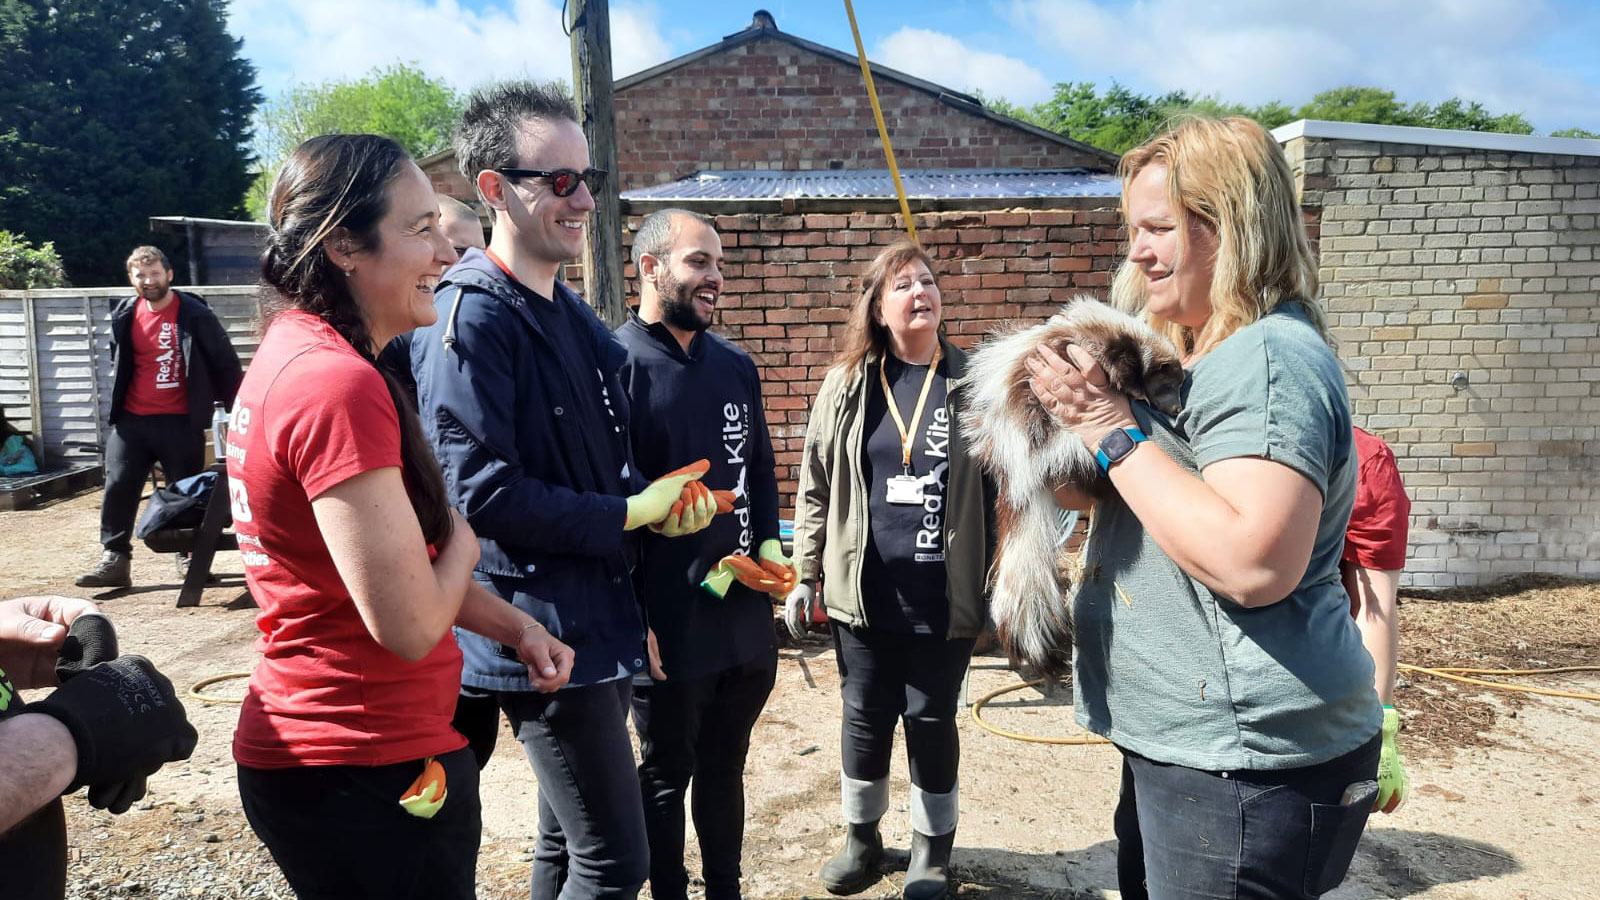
(55, 356)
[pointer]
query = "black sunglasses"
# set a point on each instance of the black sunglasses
(562, 181)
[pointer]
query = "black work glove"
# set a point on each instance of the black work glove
(127, 723)
(90, 641)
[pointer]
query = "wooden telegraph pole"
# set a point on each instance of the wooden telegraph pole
(591, 87)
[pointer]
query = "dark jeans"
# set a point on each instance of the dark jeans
(339, 832)
(592, 841)
(135, 445)
(1187, 833)
(477, 717)
(698, 728)
(912, 678)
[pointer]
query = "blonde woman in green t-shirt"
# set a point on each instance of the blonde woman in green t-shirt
(1214, 645)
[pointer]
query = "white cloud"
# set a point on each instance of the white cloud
(945, 60)
(1254, 51)
(314, 40)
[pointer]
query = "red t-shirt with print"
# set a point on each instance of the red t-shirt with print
(1380, 522)
(157, 387)
(312, 413)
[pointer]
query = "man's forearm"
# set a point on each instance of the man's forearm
(37, 761)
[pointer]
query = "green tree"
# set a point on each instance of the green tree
(112, 111)
(1575, 133)
(399, 101)
(24, 266)
(1121, 118)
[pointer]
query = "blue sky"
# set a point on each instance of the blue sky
(1537, 57)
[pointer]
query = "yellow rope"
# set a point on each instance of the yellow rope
(206, 682)
(977, 706)
(883, 130)
(1458, 673)
(1454, 673)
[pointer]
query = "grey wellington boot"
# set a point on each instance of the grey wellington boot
(113, 570)
(855, 867)
(928, 876)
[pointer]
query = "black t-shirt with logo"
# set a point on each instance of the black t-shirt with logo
(902, 575)
(33, 855)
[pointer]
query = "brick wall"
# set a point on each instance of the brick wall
(1439, 260)
(770, 104)
(790, 281)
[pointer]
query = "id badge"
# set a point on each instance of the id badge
(905, 490)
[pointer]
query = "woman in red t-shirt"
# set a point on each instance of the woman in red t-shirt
(349, 770)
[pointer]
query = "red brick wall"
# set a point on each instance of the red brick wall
(769, 104)
(790, 281)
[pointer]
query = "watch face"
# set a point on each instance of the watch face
(1116, 445)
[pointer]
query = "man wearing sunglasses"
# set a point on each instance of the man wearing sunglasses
(518, 388)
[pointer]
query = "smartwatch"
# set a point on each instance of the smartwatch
(1116, 445)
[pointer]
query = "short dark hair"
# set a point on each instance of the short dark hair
(655, 233)
(143, 256)
(486, 137)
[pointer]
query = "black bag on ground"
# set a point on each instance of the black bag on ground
(181, 504)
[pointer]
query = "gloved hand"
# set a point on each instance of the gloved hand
(719, 579)
(771, 555)
(691, 512)
(1394, 785)
(654, 503)
(798, 609)
(126, 721)
(91, 641)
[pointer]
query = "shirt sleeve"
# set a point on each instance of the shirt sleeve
(1380, 523)
(331, 420)
(1258, 395)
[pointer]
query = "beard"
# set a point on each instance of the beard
(677, 305)
(152, 293)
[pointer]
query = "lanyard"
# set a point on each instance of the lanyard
(908, 437)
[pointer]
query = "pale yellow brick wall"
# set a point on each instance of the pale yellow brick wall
(1437, 260)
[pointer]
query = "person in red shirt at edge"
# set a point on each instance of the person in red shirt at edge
(1374, 555)
(171, 360)
(349, 770)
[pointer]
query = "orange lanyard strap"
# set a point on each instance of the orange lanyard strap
(908, 436)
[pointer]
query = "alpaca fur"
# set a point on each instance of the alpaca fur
(1029, 453)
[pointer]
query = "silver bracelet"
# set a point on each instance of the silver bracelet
(534, 624)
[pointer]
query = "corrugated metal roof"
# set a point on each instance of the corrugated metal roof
(757, 184)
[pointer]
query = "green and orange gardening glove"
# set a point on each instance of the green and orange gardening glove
(774, 575)
(426, 796)
(652, 505)
(1393, 782)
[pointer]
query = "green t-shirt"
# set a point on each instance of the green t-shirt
(1171, 671)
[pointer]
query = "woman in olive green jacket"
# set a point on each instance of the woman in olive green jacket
(892, 525)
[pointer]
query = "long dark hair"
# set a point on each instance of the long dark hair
(863, 334)
(329, 183)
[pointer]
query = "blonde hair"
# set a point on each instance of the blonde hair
(1233, 176)
(864, 335)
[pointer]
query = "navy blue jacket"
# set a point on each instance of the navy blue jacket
(211, 369)
(703, 404)
(501, 411)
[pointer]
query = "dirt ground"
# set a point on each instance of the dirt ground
(1505, 785)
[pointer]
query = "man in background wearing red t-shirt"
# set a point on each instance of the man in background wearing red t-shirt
(1374, 555)
(172, 361)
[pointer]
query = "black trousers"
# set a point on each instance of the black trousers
(339, 832)
(911, 678)
(135, 445)
(699, 729)
(592, 841)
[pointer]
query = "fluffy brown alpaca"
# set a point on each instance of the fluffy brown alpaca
(1030, 453)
